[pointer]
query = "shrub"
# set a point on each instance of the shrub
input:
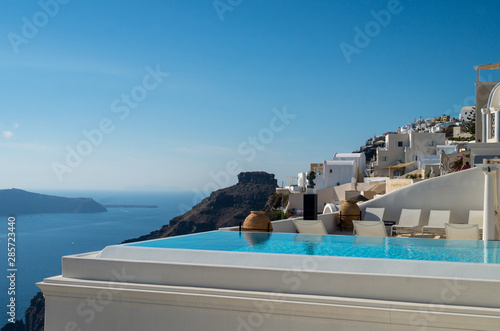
(277, 215)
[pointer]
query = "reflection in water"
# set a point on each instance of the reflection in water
(365, 240)
(256, 238)
(310, 241)
(309, 237)
(377, 241)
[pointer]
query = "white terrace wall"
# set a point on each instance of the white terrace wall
(368, 186)
(327, 195)
(339, 191)
(458, 192)
(330, 220)
(394, 184)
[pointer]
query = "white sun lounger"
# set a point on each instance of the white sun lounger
(408, 221)
(462, 231)
(369, 228)
(476, 217)
(437, 218)
(310, 227)
(372, 214)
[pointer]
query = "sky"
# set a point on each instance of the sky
(183, 95)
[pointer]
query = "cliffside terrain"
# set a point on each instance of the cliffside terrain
(35, 314)
(224, 207)
(15, 202)
(34, 317)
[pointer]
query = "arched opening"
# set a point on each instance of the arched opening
(490, 117)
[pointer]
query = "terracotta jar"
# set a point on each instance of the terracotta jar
(257, 221)
(348, 212)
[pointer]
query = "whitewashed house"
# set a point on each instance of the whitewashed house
(401, 152)
(466, 113)
(344, 168)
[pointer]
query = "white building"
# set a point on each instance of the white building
(359, 158)
(490, 130)
(302, 179)
(344, 168)
(440, 126)
(428, 159)
(401, 152)
(418, 125)
(466, 113)
(333, 173)
(448, 149)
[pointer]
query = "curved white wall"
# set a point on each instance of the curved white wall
(330, 208)
(458, 192)
(494, 99)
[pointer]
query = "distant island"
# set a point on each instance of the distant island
(16, 202)
(130, 206)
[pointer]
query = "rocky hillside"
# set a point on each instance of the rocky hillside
(15, 202)
(34, 317)
(225, 207)
(35, 314)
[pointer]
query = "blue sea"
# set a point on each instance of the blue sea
(42, 239)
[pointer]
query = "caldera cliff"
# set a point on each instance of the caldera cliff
(224, 207)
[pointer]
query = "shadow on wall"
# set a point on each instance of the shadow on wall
(458, 192)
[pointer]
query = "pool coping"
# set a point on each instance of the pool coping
(296, 274)
(401, 267)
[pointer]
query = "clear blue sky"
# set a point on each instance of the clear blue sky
(234, 69)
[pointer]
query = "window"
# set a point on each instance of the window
(400, 144)
(492, 126)
(384, 158)
(330, 170)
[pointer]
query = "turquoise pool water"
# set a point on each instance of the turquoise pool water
(332, 245)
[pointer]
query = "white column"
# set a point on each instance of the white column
(485, 121)
(489, 202)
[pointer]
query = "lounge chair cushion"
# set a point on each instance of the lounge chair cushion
(462, 231)
(369, 228)
(310, 227)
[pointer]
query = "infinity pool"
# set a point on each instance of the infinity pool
(333, 245)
